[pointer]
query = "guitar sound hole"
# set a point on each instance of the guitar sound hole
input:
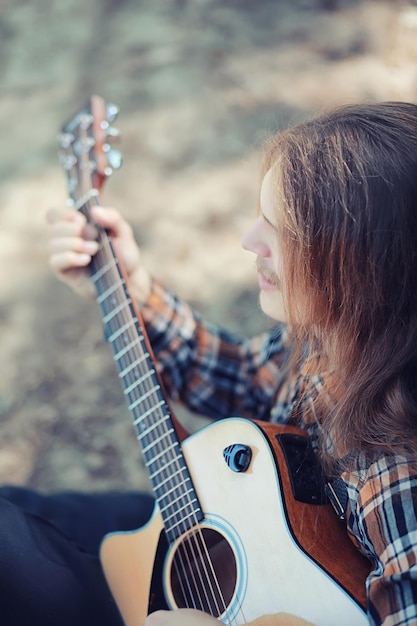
(203, 572)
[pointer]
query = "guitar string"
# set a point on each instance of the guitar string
(82, 176)
(199, 546)
(125, 363)
(86, 171)
(194, 554)
(149, 403)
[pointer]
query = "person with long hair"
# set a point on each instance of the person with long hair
(335, 240)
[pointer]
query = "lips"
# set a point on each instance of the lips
(267, 280)
(265, 284)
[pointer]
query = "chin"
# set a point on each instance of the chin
(272, 305)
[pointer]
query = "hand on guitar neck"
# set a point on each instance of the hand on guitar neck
(73, 243)
(189, 617)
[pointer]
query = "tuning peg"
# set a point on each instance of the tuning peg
(115, 160)
(67, 161)
(65, 140)
(112, 111)
(113, 133)
(85, 120)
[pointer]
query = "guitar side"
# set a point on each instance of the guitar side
(128, 561)
(276, 570)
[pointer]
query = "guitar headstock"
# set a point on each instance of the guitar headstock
(85, 149)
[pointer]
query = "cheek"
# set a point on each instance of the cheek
(277, 261)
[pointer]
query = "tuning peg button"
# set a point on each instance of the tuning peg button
(65, 140)
(113, 133)
(115, 160)
(112, 111)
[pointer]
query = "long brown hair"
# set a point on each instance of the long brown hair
(346, 197)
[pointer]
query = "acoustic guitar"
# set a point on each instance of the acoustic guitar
(239, 528)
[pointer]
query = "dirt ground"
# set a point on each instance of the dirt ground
(200, 83)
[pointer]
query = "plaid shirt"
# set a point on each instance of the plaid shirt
(219, 374)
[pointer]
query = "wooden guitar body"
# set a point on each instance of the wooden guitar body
(263, 563)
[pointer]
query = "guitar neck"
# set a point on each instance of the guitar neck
(149, 409)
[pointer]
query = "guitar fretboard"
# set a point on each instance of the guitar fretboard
(151, 416)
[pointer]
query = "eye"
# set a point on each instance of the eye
(267, 221)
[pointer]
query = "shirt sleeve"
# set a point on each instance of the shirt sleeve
(384, 521)
(213, 372)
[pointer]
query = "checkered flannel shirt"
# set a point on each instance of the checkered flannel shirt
(219, 374)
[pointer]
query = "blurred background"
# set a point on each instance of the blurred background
(200, 84)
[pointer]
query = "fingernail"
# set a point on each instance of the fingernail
(90, 247)
(99, 211)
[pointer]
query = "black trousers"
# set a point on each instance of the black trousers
(50, 573)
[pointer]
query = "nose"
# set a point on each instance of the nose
(254, 239)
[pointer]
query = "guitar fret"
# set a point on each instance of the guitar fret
(132, 366)
(103, 296)
(160, 469)
(92, 193)
(156, 458)
(169, 478)
(104, 269)
(138, 382)
(182, 522)
(158, 440)
(107, 318)
(145, 432)
(184, 507)
(143, 416)
(144, 397)
(173, 489)
(127, 348)
(121, 330)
